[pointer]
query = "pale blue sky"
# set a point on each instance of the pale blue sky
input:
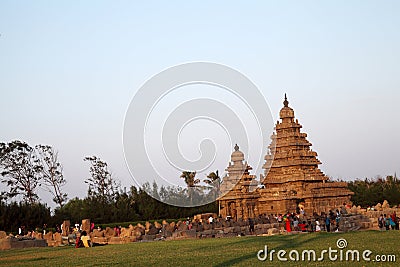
(68, 70)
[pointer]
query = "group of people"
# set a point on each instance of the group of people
(332, 220)
(298, 221)
(82, 238)
(387, 222)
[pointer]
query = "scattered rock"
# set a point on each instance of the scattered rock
(3, 234)
(97, 233)
(273, 231)
(385, 204)
(109, 232)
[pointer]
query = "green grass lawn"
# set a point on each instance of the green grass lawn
(237, 251)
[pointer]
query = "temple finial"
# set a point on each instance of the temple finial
(236, 147)
(286, 102)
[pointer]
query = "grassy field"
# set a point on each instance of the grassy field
(237, 251)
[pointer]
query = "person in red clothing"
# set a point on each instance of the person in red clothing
(287, 223)
(78, 241)
(303, 226)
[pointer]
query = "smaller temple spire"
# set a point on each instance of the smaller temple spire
(236, 147)
(286, 102)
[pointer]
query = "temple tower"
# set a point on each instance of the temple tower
(237, 189)
(292, 176)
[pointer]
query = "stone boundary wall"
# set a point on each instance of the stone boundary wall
(373, 213)
(11, 242)
(356, 219)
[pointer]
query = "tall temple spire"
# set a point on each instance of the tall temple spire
(286, 102)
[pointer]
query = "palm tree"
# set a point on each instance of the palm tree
(191, 182)
(213, 181)
(189, 178)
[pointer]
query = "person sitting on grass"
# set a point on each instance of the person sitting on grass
(78, 241)
(317, 226)
(303, 226)
(86, 240)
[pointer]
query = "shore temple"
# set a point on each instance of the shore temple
(291, 178)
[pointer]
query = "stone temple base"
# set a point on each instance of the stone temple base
(13, 242)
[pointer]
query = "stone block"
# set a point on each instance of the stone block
(188, 234)
(39, 235)
(208, 232)
(176, 234)
(157, 225)
(236, 229)
(148, 237)
(48, 236)
(65, 228)
(207, 226)
(109, 232)
(260, 231)
(3, 234)
(152, 230)
(228, 230)
(116, 240)
(12, 242)
(385, 204)
(57, 237)
(273, 231)
(100, 240)
(53, 243)
(86, 225)
(97, 233)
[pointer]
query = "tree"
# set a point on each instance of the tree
(14, 215)
(190, 178)
(369, 192)
(101, 183)
(52, 173)
(213, 181)
(20, 169)
(191, 183)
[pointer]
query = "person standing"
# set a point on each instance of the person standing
(381, 222)
(251, 226)
(387, 222)
(337, 219)
(395, 221)
(295, 224)
(328, 224)
(287, 223)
